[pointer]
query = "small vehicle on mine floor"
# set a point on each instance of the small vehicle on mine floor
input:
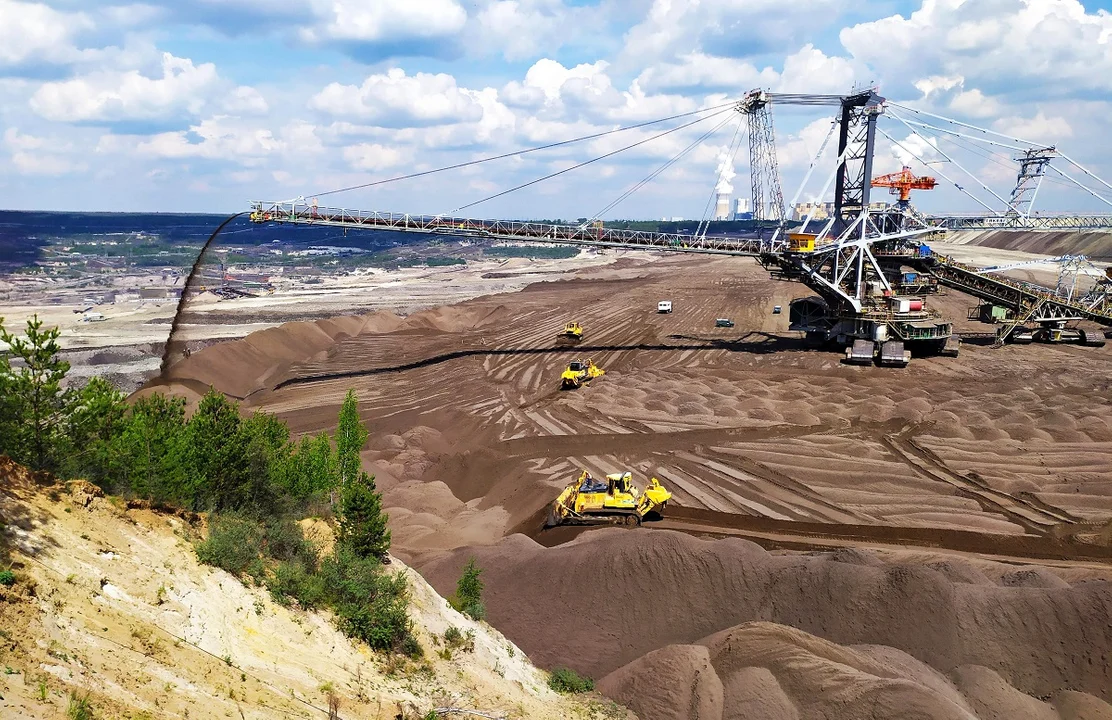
(613, 501)
(723, 322)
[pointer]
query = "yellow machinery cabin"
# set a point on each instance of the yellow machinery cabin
(615, 500)
(801, 242)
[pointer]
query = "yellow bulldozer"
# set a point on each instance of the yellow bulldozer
(613, 501)
(572, 333)
(579, 372)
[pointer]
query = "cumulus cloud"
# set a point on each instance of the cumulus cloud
(217, 138)
(699, 71)
(1054, 46)
(385, 21)
(396, 99)
(31, 155)
(372, 156)
(116, 96)
(36, 32)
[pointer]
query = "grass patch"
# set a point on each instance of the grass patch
(565, 680)
(7, 578)
(79, 708)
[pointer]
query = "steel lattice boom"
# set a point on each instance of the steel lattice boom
(594, 236)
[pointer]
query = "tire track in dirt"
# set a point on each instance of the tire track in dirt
(1029, 515)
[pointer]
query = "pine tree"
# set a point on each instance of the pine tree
(34, 395)
(362, 521)
(96, 416)
(219, 460)
(351, 436)
(469, 592)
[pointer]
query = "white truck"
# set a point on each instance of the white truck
(664, 306)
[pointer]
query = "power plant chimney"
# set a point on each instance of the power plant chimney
(722, 206)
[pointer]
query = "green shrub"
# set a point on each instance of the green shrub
(564, 680)
(457, 640)
(7, 578)
(285, 540)
(369, 602)
(233, 544)
(294, 580)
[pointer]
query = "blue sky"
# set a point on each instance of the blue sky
(206, 105)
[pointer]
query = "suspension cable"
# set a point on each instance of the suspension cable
(735, 144)
(516, 153)
(652, 176)
(976, 179)
(947, 177)
(592, 160)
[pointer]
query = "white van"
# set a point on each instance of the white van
(664, 306)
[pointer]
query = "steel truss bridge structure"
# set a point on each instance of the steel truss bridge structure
(853, 261)
(981, 221)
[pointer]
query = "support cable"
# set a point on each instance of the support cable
(976, 179)
(592, 160)
(649, 178)
(1073, 180)
(523, 152)
(735, 145)
(944, 175)
(806, 179)
(1062, 155)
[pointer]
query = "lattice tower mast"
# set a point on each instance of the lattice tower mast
(763, 168)
(1032, 167)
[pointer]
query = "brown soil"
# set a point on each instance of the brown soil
(999, 453)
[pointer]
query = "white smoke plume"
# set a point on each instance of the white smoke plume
(725, 173)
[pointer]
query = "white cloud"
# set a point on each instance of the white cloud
(37, 32)
(388, 21)
(810, 70)
(698, 70)
(373, 157)
(246, 101)
(219, 138)
(994, 45)
(1038, 129)
(523, 29)
(128, 95)
(33, 155)
(395, 99)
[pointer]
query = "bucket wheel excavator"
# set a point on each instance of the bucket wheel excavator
(613, 501)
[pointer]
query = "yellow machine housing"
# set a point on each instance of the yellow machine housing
(615, 501)
(573, 332)
(579, 372)
(801, 242)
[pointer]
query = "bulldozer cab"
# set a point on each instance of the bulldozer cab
(575, 366)
(620, 483)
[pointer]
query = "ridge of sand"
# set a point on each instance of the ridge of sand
(644, 590)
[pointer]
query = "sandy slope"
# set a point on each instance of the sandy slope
(121, 608)
(638, 604)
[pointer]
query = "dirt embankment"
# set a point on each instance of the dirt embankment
(1096, 244)
(111, 602)
(939, 624)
